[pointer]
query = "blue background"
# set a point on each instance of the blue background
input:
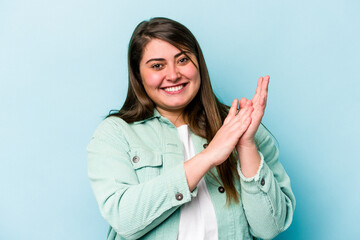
(63, 67)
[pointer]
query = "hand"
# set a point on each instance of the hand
(259, 104)
(235, 124)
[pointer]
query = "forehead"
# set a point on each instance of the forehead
(159, 48)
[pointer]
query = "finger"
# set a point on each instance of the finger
(266, 82)
(245, 111)
(249, 103)
(258, 87)
(264, 85)
(264, 90)
(232, 111)
(258, 90)
(245, 123)
(233, 108)
(243, 102)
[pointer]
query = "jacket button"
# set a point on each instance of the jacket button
(135, 159)
(205, 145)
(179, 196)
(221, 189)
(262, 182)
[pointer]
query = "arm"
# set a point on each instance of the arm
(265, 187)
(130, 207)
(267, 197)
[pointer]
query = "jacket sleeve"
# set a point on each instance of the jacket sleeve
(131, 208)
(267, 197)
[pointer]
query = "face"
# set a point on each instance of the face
(170, 76)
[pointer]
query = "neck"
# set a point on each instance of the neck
(176, 117)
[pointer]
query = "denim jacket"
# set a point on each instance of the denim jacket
(137, 174)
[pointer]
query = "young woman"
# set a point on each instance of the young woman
(174, 162)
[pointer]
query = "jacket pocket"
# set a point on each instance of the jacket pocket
(146, 164)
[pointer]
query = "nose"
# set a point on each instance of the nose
(173, 73)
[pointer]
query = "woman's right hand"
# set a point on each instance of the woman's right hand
(235, 125)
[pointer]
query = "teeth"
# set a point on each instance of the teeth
(174, 89)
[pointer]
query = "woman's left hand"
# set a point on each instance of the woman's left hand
(259, 104)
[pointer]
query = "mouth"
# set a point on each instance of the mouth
(175, 89)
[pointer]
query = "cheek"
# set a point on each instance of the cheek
(151, 80)
(192, 73)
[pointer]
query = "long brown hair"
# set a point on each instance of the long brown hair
(205, 113)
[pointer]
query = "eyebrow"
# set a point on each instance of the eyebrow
(162, 59)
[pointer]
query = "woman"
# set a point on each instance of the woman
(231, 184)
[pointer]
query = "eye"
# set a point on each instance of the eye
(157, 66)
(183, 60)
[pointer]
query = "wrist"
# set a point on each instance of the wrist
(246, 145)
(195, 169)
(249, 159)
(208, 159)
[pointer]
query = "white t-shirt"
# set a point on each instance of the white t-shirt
(197, 219)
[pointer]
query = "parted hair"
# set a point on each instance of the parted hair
(205, 113)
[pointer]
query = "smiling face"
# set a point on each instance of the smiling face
(170, 76)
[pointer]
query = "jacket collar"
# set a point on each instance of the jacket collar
(155, 115)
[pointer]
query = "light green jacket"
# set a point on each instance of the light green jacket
(137, 175)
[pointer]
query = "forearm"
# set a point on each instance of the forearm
(196, 168)
(267, 198)
(249, 159)
(268, 209)
(134, 209)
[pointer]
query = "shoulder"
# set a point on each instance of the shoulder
(111, 129)
(112, 124)
(141, 133)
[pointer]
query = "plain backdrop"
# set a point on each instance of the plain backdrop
(63, 67)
